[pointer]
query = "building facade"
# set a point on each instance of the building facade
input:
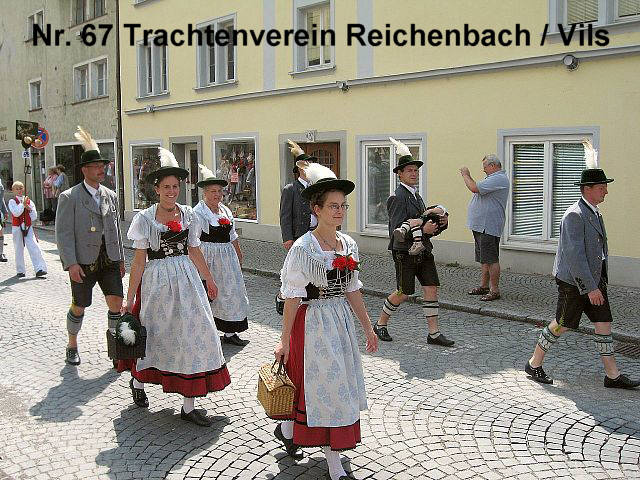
(233, 107)
(59, 87)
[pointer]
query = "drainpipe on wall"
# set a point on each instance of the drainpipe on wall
(119, 115)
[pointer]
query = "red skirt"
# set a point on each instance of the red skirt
(338, 438)
(188, 385)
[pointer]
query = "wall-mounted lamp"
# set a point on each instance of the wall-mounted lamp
(150, 108)
(570, 62)
(343, 85)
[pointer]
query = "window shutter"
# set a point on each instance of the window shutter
(582, 11)
(568, 163)
(528, 189)
(627, 8)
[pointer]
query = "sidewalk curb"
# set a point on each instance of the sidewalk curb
(536, 320)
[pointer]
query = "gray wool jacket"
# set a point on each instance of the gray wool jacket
(81, 224)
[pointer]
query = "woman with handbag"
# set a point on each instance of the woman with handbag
(223, 255)
(183, 352)
(318, 343)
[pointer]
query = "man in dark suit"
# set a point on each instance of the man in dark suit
(295, 213)
(581, 268)
(406, 204)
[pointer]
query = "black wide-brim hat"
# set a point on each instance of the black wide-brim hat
(212, 181)
(91, 156)
(593, 176)
(304, 156)
(162, 172)
(406, 160)
(324, 184)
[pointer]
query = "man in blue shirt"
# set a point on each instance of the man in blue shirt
(485, 218)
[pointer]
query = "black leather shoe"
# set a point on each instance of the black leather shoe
(292, 449)
(194, 416)
(20, 275)
(73, 357)
(3, 258)
(620, 382)
(235, 340)
(139, 396)
(539, 375)
(440, 340)
(41, 273)
(382, 333)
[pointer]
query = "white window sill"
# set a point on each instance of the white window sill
(153, 95)
(89, 20)
(36, 109)
(245, 220)
(141, 2)
(618, 26)
(85, 100)
(215, 85)
(323, 68)
(541, 247)
(371, 232)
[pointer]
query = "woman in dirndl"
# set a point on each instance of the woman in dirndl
(319, 344)
(221, 250)
(183, 351)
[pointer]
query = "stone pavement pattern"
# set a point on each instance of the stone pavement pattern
(465, 412)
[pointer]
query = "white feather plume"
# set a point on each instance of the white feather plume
(127, 334)
(84, 137)
(401, 148)
(590, 154)
(314, 171)
(167, 159)
(296, 150)
(205, 172)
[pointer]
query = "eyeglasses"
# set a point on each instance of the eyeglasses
(334, 207)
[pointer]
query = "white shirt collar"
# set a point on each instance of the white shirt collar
(90, 189)
(592, 207)
(304, 183)
(410, 188)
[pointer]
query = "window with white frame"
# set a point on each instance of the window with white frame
(543, 171)
(35, 19)
(152, 69)
(90, 79)
(599, 12)
(314, 17)
(217, 63)
(379, 159)
(84, 10)
(35, 101)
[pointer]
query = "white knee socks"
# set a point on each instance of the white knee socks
(137, 384)
(287, 429)
(335, 465)
(188, 405)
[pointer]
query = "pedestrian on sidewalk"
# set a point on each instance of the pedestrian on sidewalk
(90, 242)
(49, 190)
(4, 213)
(23, 215)
(183, 352)
(581, 271)
(406, 204)
(221, 250)
(61, 184)
(318, 342)
(485, 218)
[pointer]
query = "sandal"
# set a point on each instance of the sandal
(490, 297)
(478, 291)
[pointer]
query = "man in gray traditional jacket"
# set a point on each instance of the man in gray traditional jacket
(581, 271)
(90, 242)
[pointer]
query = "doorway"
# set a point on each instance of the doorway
(187, 156)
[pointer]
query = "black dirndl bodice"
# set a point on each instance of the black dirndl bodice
(337, 281)
(172, 244)
(217, 234)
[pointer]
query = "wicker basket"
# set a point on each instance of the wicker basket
(118, 351)
(275, 390)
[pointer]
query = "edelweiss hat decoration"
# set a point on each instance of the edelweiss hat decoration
(91, 152)
(208, 178)
(168, 166)
(298, 154)
(321, 178)
(404, 156)
(593, 174)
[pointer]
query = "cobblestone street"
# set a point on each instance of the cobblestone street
(465, 412)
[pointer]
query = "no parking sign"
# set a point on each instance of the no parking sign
(43, 136)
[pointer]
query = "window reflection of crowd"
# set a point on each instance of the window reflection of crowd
(143, 165)
(378, 183)
(237, 167)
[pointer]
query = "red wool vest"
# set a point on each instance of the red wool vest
(24, 218)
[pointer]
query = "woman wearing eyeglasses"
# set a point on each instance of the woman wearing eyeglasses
(318, 343)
